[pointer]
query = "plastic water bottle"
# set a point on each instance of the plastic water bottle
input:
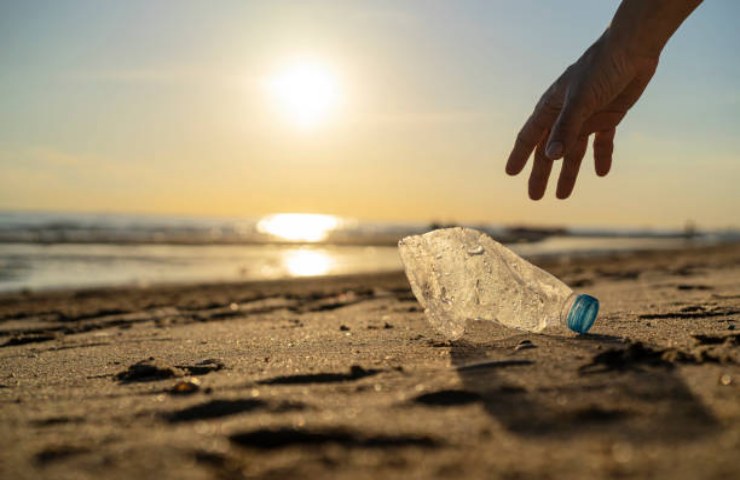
(461, 274)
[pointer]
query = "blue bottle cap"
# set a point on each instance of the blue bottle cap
(583, 313)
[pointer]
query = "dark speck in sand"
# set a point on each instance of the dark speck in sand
(619, 274)
(356, 372)
(687, 313)
(58, 453)
(148, 371)
(492, 364)
(439, 343)
(447, 398)
(524, 345)
(53, 421)
(599, 415)
(215, 409)
(581, 282)
(217, 460)
(693, 287)
(104, 312)
(685, 271)
(343, 328)
(272, 439)
(32, 338)
(204, 366)
(226, 408)
(733, 339)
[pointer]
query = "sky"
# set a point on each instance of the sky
(171, 107)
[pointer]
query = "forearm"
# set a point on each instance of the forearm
(644, 26)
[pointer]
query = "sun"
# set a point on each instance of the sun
(299, 227)
(305, 93)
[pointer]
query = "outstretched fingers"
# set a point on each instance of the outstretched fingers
(567, 127)
(603, 150)
(532, 133)
(570, 168)
(541, 169)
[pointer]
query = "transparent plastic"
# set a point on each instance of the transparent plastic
(461, 274)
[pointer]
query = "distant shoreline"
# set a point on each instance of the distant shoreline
(72, 266)
(517, 236)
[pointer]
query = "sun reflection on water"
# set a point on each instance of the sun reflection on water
(299, 227)
(308, 263)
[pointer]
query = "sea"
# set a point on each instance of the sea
(56, 251)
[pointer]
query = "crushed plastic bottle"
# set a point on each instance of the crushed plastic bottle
(461, 274)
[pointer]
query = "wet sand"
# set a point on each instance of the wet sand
(343, 378)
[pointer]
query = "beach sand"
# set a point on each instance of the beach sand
(344, 378)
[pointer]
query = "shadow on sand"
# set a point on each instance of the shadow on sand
(563, 388)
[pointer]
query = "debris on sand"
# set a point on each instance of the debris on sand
(356, 372)
(186, 386)
(148, 370)
(524, 345)
(204, 366)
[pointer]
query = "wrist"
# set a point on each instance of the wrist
(643, 27)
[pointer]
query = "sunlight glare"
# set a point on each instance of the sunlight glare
(305, 93)
(299, 227)
(307, 263)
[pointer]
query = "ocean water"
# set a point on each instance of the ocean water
(60, 251)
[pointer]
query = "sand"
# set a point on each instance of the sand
(343, 378)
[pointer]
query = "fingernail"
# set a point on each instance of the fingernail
(554, 150)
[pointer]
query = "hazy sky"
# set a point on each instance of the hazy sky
(154, 106)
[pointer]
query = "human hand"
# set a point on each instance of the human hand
(590, 97)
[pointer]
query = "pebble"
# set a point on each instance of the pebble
(524, 344)
(186, 387)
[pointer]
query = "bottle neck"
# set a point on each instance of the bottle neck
(582, 312)
(565, 309)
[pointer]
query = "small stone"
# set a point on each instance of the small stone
(524, 344)
(186, 387)
(344, 328)
(387, 325)
(731, 326)
(148, 371)
(234, 307)
(725, 380)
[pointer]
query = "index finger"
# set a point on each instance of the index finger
(540, 172)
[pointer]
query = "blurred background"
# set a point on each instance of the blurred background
(166, 141)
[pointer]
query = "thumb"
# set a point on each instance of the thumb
(567, 127)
